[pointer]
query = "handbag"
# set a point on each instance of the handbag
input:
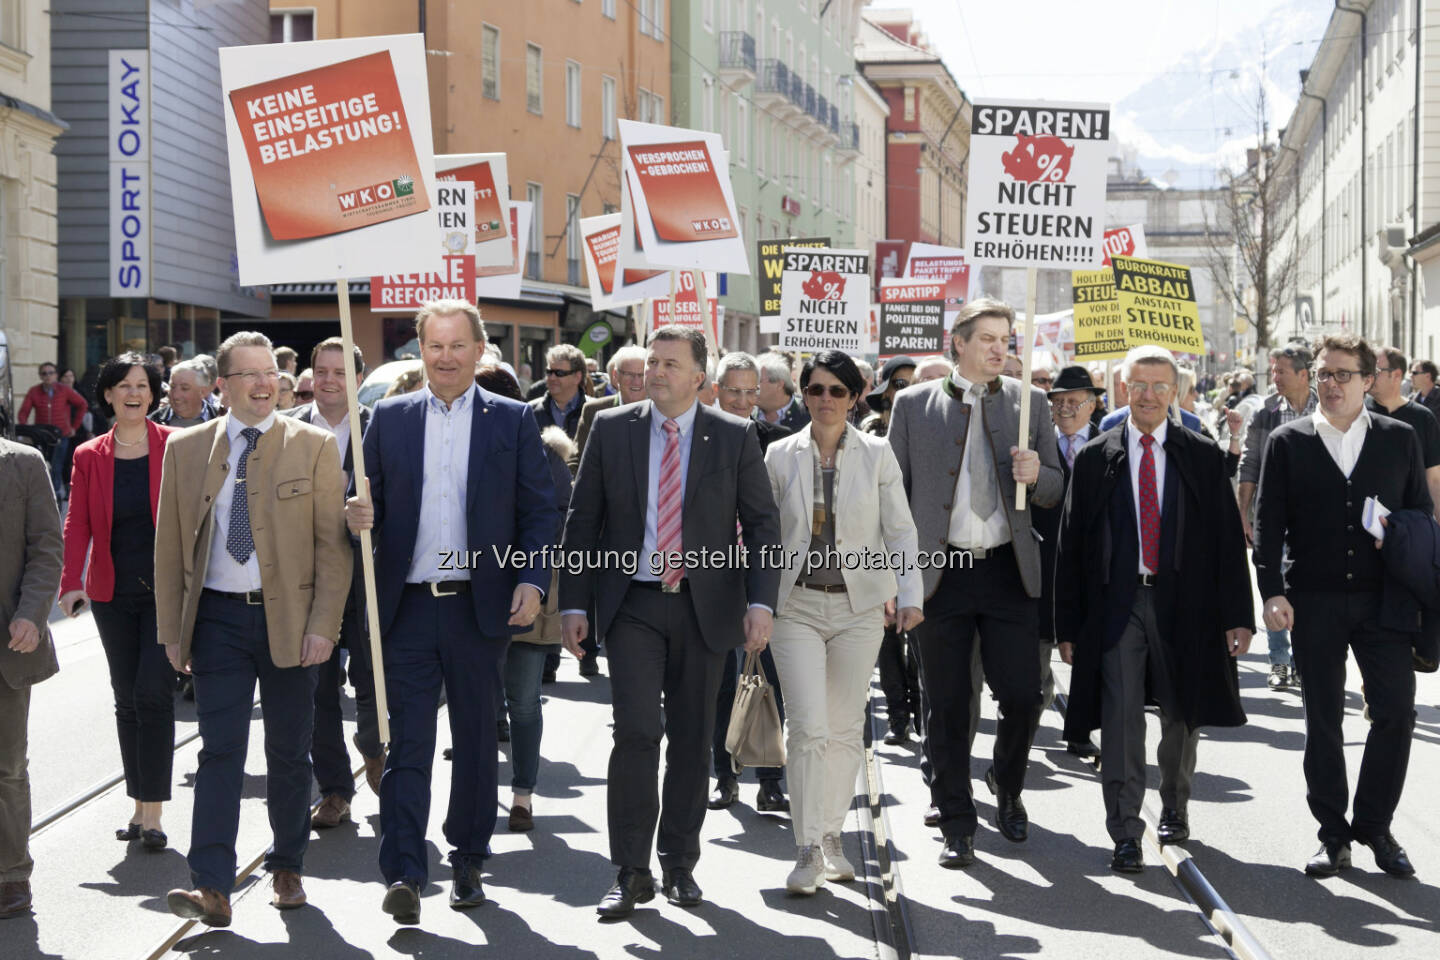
(755, 737)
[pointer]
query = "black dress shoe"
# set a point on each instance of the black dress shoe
(957, 852)
(1127, 858)
(131, 832)
(633, 885)
(1329, 860)
(726, 792)
(448, 754)
(466, 891)
(1174, 826)
(771, 799)
(402, 901)
(680, 887)
(153, 839)
(932, 816)
(1389, 855)
(1011, 819)
(547, 676)
(899, 733)
(502, 730)
(1083, 749)
(588, 667)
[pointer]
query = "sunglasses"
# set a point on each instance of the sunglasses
(552, 372)
(836, 390)
(304, 394)
(899, 383)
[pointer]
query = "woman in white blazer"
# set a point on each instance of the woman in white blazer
(848, 552)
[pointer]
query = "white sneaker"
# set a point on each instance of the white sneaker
(836, 866)
(809, 872)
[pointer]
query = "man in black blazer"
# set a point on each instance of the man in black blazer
(1152, 601)
(1318, 474)
(330, 411)
(668, 614)
(1423, 374)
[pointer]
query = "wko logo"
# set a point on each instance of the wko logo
(377, 193)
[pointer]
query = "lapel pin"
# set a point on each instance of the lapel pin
(705, 437)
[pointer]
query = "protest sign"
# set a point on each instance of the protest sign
(678, 202)
(770, 259)
(1099, 325)
(1125, 242)
(331, 169)
(825, 300)
(611, 286)
(912, 319)
(945, 265)
(489, 173)
(1157, 301)
(454, 242)
(687, 303)
(503, 282)
(1037, 184)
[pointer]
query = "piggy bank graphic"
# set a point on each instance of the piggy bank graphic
(1038, 159)
(824, 285)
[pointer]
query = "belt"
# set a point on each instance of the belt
(443, 588)
(252, 597)
(682, 587)
(1148, 579)
(985, 553)
(825, 587)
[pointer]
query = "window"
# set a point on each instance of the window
(607, 7)
(657, 109)
(607, 107)
(490, 62)
(642, 15)
(759, 146)
(742, 132)
(707, 105)
(534, 75)
(572, 93)
(642, 105)
(572, 238)
(707, 14)
(293, 26)
(536, 196)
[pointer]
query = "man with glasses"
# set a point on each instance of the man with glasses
(1423, 374)
(560, 404)
(627, 373)
(58, 406)
(1323, 578)
(1152, 601)
(1385, 397)
(252, 569)
(1042, 377)
(1294, 397)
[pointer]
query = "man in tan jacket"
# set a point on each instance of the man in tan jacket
(252, 567)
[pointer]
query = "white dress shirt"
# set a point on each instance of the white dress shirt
(1344, 448)
(342, 435)
(442, 528)
(967, 530)
(223, 573)
(1136, 451)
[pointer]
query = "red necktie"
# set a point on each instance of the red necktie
(667, 519)
(1149, 508)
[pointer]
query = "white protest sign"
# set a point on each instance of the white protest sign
(1037, 184)
(455, 212)
(503, 282)
(825, 300)
(1126, 242)
(610, 285)
(331, 169)
(488, 172)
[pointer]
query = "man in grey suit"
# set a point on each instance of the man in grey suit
(30, 552)
(671, 594)
(960, 473)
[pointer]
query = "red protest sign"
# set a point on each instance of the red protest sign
(407, 292)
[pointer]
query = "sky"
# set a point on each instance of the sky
(1181, 75)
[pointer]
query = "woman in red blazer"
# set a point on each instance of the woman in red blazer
(115, 488)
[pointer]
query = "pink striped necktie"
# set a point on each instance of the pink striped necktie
(667, 535)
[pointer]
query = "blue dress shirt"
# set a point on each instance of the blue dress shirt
(442, 528)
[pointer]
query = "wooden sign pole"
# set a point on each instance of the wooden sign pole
(712, 336)
(1027, 350)
(362, 490)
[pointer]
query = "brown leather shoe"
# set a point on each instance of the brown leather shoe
(210, 907)
(15, 898)
(333, 811)
(374, 767)
(289, 894)
(521, 819)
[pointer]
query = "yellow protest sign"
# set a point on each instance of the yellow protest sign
(1099, 325)
(1157, 301)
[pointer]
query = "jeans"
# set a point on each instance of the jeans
(523, 666)
(57, 466)
(1279, 647)
(144, 686)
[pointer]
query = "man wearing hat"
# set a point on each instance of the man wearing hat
(897, 374)
(1073, 398)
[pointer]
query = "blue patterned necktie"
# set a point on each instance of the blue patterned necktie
(239, 542)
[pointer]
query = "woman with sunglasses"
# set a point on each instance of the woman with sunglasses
(846, 539)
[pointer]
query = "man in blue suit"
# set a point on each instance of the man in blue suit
(462, 504)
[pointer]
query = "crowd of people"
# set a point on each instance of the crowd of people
(865, 518)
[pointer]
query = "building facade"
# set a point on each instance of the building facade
(29, 292)
(775, 78)
(147, 238)
(872, 112)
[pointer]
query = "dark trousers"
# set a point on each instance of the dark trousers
(229, 653)
(725, 702)
(984, 603)
(436, 643)
(658, 659)
(1327, 626)
(899, 678)
(144, 686)
(333, 772)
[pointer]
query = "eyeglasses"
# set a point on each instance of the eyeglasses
(750, 395)
(899, 383)
(304, 394)
(1390, 370)
(1339, 376)
(47, 373)
(553, 372)
(1416, 372)
(1037, 381)
(1073, 404)
(254, 376)
(1160, 391)
(623, 375)
(836, 390)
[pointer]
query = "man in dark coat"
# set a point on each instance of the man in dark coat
(1152, 601)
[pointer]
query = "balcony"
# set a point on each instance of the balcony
(849, 145)
(737, 58)
(835, 120)
(773, 81)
